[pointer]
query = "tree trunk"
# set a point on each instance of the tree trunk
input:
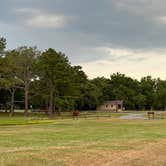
(6, 108)
(26, 99)
(12, 102)
(51, 99)
(51, 103)
(59, 112)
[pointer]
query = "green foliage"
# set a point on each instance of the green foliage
(9, 69)
(90, 97)
(48, 81)
(2, 44)
(58, 78)
(140, 101)
(102, 84)
(65, 103)
(147, 94)
(160, 95)
(123, 88)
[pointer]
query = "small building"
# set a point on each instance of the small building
(113, 105)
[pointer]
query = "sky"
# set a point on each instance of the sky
(103, 36)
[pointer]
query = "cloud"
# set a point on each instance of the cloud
(151, 10)
(141, 7)
(135, 63)
(161, 20)
(126, 54)
(26, 11)
(47, 21)
(109, 36)
(37, 18)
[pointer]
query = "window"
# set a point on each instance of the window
(119, 106)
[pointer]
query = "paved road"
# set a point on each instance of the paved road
(134, 116)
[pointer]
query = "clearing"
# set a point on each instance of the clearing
(92, 142)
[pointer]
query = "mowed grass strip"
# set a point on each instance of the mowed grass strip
(83, 141)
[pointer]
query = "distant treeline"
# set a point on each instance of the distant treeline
(46, 80)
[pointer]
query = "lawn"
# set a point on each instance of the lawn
(93, 141)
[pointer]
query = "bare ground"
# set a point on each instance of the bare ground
(152, 154)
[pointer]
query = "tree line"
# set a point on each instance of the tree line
(47, 81)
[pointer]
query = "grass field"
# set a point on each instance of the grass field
(83, 142)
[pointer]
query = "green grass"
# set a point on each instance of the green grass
(21, 121)
(56, 142)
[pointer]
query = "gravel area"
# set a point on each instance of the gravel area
(133, 116)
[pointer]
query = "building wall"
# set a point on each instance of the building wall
(107, 107)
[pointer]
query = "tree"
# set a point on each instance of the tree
(123, 88)
(148, 89)
(26, 57)
(9, 79)
(90, 96)
(2, 44)
(102, 84)
(160, 95)
(4, 99)
(55, 71)
(139, 101)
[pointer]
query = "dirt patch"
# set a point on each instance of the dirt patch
(145, 153)
(152, 154)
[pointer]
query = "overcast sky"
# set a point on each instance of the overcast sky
(103, 36)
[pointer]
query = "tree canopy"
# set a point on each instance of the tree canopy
(46, 80)
(2, 44)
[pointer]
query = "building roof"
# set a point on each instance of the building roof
(114, 102)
